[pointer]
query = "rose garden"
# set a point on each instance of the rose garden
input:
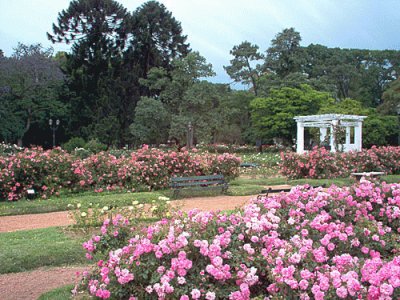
(130, 168)
(340, 241)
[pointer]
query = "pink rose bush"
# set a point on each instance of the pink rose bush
(50, 171)
(321, 163)
(338, 243)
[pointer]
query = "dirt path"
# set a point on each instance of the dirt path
(33, 221)
(30, 285)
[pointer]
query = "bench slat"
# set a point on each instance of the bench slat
(197, 183)
(194, 178)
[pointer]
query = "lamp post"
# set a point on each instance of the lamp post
(54, 128)
(398, 126)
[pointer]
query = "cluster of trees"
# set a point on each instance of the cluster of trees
(131, 78)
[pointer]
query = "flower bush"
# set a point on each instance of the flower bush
(339, 243)
(320, 163)
(50, 171)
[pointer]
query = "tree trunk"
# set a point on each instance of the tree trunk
(27, 127)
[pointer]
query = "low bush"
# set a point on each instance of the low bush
(339, 243)
(320, 163)
(73, 143)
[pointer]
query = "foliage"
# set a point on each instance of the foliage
(320, 163)
(157, 37)
(284, 55)
(380, 130)
(242, 68)
(391, 99)
(73, 143)
(329, 244)
(30, 79)
(94, 146)
(273, 116)
(112, 51)
(187, 98)
(151, 122)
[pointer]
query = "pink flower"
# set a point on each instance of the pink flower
(341, 292)
(386, 289)
(303, 284)
(210, 296)
(195, 294)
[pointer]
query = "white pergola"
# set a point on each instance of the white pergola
(323, 122)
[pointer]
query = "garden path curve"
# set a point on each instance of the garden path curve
(33, 221)
(30, 285)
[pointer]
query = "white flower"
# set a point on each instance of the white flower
(83, 214)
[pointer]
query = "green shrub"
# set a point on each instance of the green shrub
(73, 143)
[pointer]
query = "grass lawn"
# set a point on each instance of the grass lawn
(61, 293)
(29, 249)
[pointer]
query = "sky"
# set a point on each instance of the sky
(213, 27)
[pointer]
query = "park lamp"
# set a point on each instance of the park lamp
(51, 122)
(54, 129)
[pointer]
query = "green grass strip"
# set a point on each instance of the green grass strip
(61, 293)
(29, 249)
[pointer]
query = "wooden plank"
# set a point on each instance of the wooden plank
(197, 183)
(194, 178)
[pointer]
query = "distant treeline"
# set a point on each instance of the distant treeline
(132, 78)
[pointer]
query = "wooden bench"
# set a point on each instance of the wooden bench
(361, 175)
(198, 182)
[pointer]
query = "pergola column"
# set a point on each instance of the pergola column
(332, 135)
(358, 136)
(347, 137)
(300, 138)
(322, 134)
